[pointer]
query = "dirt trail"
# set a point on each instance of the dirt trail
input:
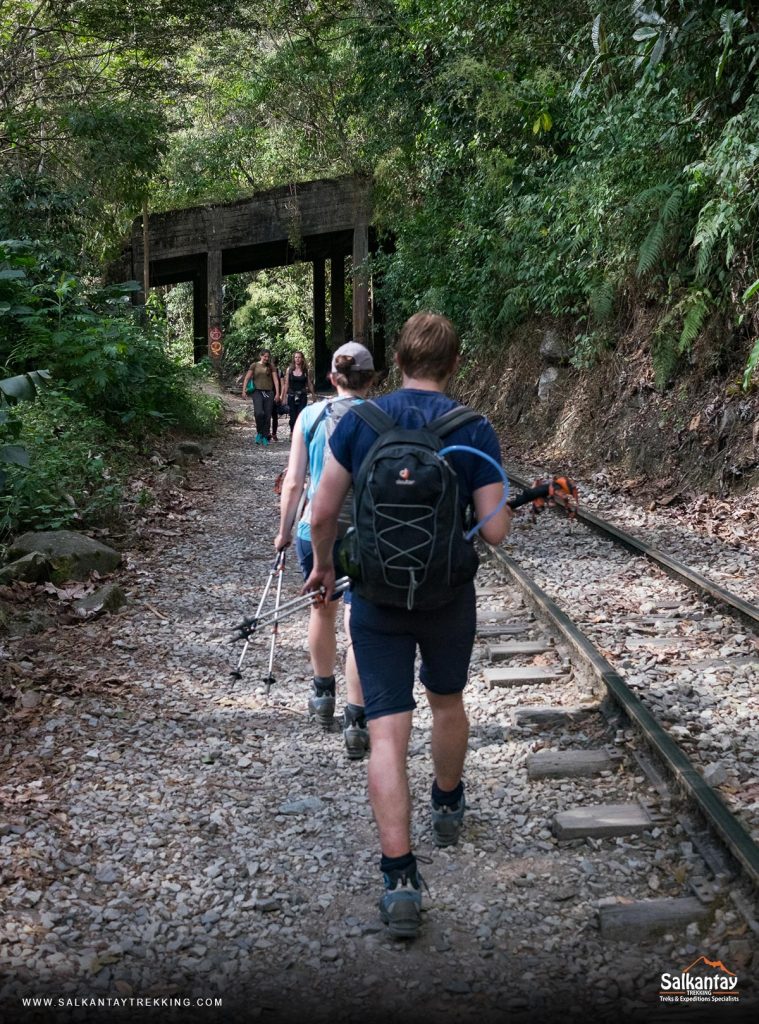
(171, 834)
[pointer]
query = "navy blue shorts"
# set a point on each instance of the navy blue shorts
(385, 642)
(305, 555)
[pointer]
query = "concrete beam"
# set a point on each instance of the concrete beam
(287, 214)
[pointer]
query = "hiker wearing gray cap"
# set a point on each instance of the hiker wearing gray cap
(352, 375)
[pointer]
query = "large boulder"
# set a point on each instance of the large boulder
(31, 568)
(73, 555)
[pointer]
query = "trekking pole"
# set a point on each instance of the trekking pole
(247, 627)
(269, 679)
(236, 673)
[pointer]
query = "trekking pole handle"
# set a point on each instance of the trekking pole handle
(248, 626)
(488, 458)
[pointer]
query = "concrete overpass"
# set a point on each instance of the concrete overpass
(319, 221)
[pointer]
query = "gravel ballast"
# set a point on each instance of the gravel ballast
(171, 833)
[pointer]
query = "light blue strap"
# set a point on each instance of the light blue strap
(491, 460)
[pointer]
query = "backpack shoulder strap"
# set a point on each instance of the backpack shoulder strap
(452, 420)
(307, 437)
(375, 417)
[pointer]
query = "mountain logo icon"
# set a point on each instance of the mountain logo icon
(716, 964)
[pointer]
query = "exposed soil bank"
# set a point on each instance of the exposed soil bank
(699, 435)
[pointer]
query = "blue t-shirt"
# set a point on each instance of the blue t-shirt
(412, 409)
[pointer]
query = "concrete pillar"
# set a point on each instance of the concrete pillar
(215, 294)
(321, 353)
(337, 300)
(199, 313)
(361, 284)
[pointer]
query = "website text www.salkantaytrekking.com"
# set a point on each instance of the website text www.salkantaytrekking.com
(120, 1002)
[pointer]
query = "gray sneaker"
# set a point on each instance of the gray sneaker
(401, 904)
(356, 741)
(322, 705)
(446, 822)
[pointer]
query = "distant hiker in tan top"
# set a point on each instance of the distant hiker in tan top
(266, 393)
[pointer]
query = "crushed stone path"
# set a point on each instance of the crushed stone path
(169, 833)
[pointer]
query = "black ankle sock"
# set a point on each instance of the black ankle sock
(404, 863)
(324, 684)
(354, 715)
(445, 797)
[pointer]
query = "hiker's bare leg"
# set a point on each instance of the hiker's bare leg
(450, 734)
(352, 681)
(322, 642)
(388, 782)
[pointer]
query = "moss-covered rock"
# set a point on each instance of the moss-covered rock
(73, 556)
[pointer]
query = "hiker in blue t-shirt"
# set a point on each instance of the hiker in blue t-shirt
(385, 639)
(352, 375)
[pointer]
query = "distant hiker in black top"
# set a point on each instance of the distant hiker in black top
(297, 387)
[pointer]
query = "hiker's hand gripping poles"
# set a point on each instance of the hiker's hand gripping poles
(247, 627)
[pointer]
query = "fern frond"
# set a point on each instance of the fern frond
(699, 305)
(643, 199)
(671, 208)
(751, 365)
(651, 249)
(708, 230)
(601, 300)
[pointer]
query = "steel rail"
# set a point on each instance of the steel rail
(710, 803)
(746, 611)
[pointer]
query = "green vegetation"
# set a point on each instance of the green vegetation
(574, 161)
(584, 162)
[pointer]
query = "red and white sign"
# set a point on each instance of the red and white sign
(215, 334)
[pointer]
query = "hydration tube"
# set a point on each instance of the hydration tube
(488, 458)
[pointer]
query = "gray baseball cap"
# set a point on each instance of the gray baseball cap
(362, 357)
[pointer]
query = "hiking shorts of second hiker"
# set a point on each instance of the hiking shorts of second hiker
(385, 641)
(305, 555)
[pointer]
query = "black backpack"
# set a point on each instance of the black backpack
(407, 547)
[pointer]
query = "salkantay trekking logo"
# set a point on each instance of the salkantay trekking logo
(703, 981)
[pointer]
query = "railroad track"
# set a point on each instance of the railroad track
(624, 672)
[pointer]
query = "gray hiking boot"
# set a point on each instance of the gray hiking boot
(355, 733)
(321, 704)
(401, 905)
(446, 822)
